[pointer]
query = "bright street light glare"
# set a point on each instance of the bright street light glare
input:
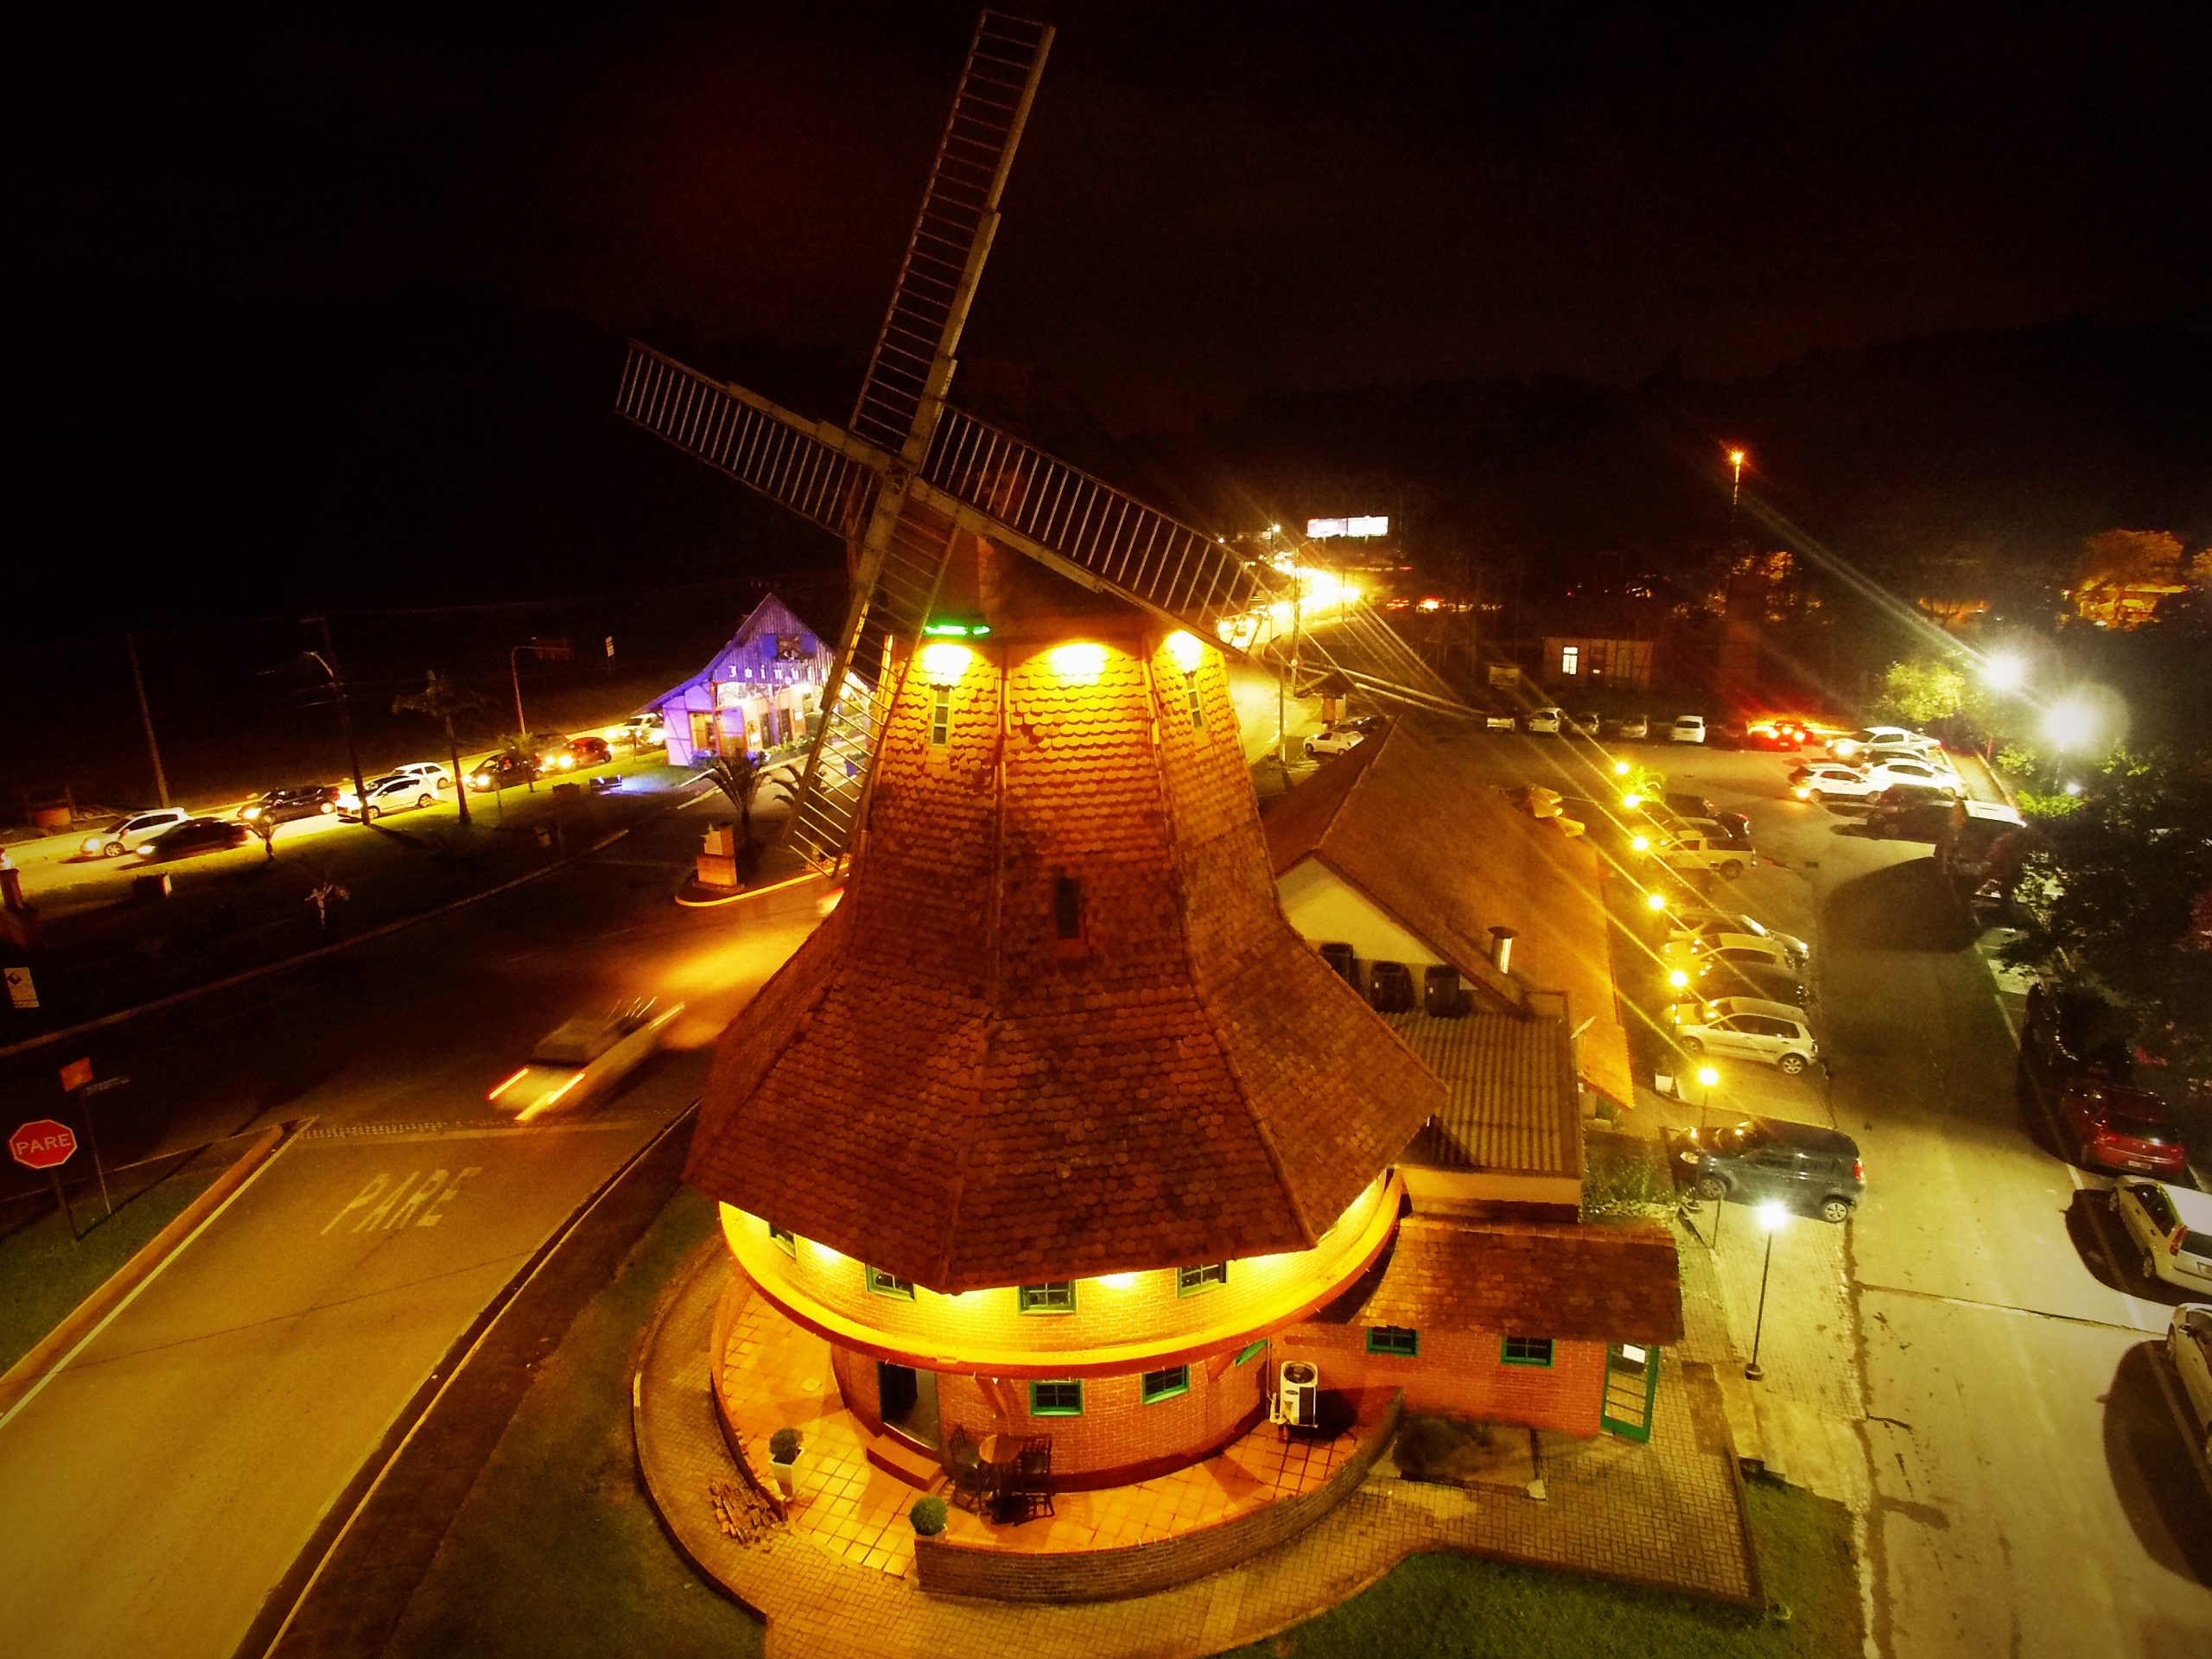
(2004, 671)
(1773, 1213)
(2071, 724)
(1677, 978)
(1655, 900)
(1620, 768)
(1707, 1075)
(1642, 844)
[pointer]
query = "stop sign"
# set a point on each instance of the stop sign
(43, 1143)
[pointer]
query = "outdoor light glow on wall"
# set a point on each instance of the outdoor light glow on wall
(943, 663)
(1118, 1281)
(1078, 664)
(1185, 650)
(1655, 900)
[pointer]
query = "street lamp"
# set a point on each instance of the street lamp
(1771, 1215)
(2071, 724)
(2003, 671)
(1655, 900)
(1620, 768)
(1736, 478)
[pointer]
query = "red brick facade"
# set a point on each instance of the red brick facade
(1462, 1372)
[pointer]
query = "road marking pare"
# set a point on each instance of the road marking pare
(383, 1204)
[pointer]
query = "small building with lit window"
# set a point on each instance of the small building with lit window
(1593, 663)
(761, 691)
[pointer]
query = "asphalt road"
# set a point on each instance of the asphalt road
(157, 1485)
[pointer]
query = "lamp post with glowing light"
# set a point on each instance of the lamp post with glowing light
(1772, 1214)
(1735, 482)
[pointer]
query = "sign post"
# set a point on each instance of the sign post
(22, 991)
(44, 1144)
(77, 1075)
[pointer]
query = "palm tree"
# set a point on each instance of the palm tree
(440, 699)
(739, 776)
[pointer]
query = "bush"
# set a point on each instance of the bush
(928, 1516)
(782, 1445)
(1626, 1176)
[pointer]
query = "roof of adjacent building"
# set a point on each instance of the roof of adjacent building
(940, 1085)
(1510, 1096)
(771, 617)
(1410, 818)
(1582, 1281)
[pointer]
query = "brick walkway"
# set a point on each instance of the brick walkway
(1613, 1509)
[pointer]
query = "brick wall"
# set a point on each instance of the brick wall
(1461, 1372)
(956, 1569)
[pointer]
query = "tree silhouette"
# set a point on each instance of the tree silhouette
(440, 699)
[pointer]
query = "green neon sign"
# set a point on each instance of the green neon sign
(956, 630)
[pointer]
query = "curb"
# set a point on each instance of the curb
(175, 998)
(45, 1353)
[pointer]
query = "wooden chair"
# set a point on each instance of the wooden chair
(971, 1476)
(1033, 1488)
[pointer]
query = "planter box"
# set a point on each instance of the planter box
(718, 870)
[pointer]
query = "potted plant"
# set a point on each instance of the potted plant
(928, 1516)
(783, 1457)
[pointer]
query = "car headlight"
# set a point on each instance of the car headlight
(250, 812)
(90, 844)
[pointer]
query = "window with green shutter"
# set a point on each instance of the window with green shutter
(1166, 1383)
(1250, 1350)
(889, 1284)
(782, 1239)
(1203, 1276)
(1055, 1399)
(1528, 1350)
(1053, 1296)
(1394, 1339)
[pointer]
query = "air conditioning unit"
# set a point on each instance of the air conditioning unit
(1344, 960)
(1298, 1401)
(1442, 996)
(1390, 986)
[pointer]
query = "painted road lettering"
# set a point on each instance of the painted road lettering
(417, 1197)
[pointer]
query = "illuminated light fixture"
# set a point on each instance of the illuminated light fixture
(1185, 650)
(2070, 724)
(1118, 1281)
(2004, 671)
(1078, 664)
(1642, 844)
(1803, 791)
(1631, 800)
(1677, 978)
(508, 1084)
(1655, 900)
(1773, 1213)
(943, 663)
(956, 630)
(829, 1255)
(1708, 1076)
(1620, 768)
(1735, 457)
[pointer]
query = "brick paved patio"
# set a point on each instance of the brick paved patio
(1669, 1513)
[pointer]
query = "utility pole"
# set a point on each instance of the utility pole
(514, 668)
(146, 714)
(327, 657)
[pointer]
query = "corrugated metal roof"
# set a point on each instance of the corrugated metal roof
(1510, 1098)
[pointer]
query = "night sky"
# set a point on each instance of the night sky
(1211, 202)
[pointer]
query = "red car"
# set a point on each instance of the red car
(1788, 735)
(2120, 1129)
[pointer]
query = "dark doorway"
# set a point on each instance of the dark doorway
(907, 1400)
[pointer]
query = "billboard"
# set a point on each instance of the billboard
(1320, 529)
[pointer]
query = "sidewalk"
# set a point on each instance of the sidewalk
(1670, 1514)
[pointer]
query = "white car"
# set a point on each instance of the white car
(1688, 729)
(1828, 782)
(1732, 947)
(1925, 774)
(1747, 1027)
(1545, 720)
(2172, 1226)
(644, 731)
(1700, 924)
(399, 793)
(128, 835)
(1867, 737)
(429, 769)
(588, 1056)
(1695, 851)
(1335, 740)
(2189, 1344)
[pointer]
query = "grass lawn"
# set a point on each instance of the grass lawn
(557, 1551)
(1458, 1605)
(44, 1273)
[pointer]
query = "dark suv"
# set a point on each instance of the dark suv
(1814, 1172)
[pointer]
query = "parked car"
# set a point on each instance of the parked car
(2069, 1034)
(283, 805)
(2189, 1345)
(1788, 735)
(431, 770)
(192, 837)
(1635, 728)
(1546, 720)
(1706, 922)
(578, 752)
(502, 771)
(1733, 828)
(1698, 850)
(1498, 721)
(644, 731)
(1985, 840)
(1750, 1028)
(1848, 747)
(2172, 1226)
(1335, 740)
(1587, 725)
(1750, 969)
(1683, 805)
(1814, 1171)
(128, 835)
(1888, 773)
(1723, 945)
(395, 792)
(1367, 724)
(584, 1057)
(2116, 1126)
(1688, 729)
(1827, 782)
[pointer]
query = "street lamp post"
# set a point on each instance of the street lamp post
(1771, 1214)
(344, 712)
(1735, 481)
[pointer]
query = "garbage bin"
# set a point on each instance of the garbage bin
(155, 884)
(544, 832)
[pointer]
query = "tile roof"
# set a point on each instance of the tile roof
(940, 1085)
(1511, 1101)
(1409, 819)
(1586, 1280)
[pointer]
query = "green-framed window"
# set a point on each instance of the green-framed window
(1053, 1296)
(941, 717)
(1205, 1275)
(1395, 1339)
(1250, 1350)
(1165, 1384)
(782, 1239)
(1527, 1350)
(889, 1284)
(1198, 709)
(1057, 1399)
